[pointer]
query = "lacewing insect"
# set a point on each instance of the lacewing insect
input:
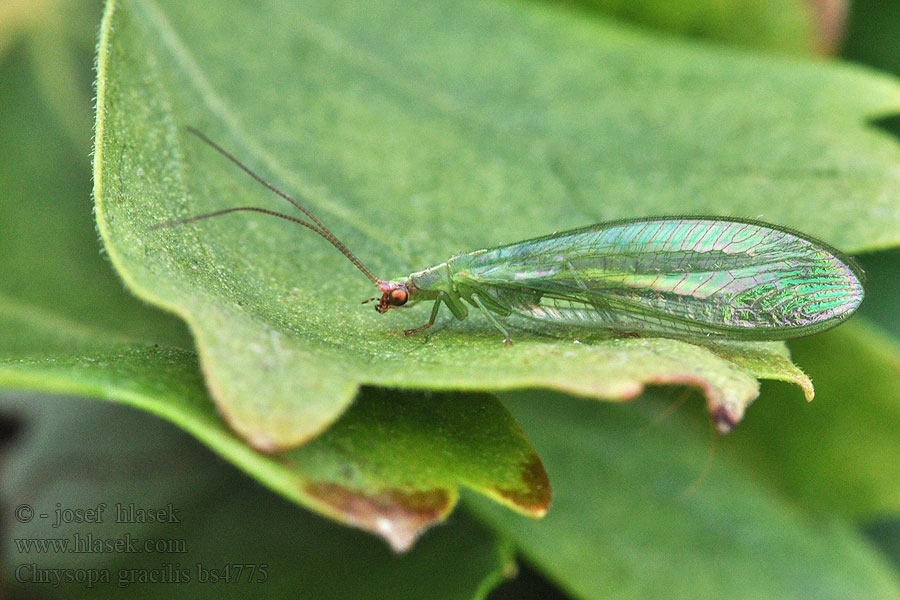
(681, 277)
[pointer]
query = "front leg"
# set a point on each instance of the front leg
(434, 312)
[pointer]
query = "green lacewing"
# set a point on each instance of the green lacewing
(681, 277)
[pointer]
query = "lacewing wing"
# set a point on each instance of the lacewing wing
(686, 277)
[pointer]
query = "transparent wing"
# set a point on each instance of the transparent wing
(672, 276)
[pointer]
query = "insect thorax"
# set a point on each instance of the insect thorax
(435, 279)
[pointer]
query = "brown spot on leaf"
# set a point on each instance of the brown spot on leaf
(725, 422)
(263, 443)
(726, 412)
(535, 493)
(830, 23)
(400, 517)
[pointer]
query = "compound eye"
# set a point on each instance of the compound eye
(399, 297)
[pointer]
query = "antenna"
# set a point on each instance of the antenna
(318, 227)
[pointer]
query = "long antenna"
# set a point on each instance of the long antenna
(318, 228)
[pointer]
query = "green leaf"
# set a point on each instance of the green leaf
(789, 27)
(223, 519)
(392, 463)
(414, 140)
(641, 510)
(840, 453)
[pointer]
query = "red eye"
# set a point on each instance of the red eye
(399, 297)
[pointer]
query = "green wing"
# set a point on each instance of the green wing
(683, 277)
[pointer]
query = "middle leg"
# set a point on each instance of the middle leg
(507, 341)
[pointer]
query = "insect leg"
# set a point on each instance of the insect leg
(507, 341)
(434, 312)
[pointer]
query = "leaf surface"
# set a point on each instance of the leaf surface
(643, 509)
(839, 454)
(789, 27)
